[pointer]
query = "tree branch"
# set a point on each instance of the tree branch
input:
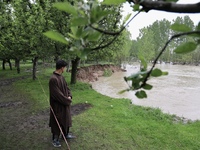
(163, 49)
(106, 45)
(105, 32)
(168, 6)
(116, 34)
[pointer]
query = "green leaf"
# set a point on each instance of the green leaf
(195, 35)
(143, 64)
(80, 21)
(74, 30)
(135, 75)
(84, 53)
(186, 48)
(123, 91)
(126, 18)
(156, 72)
(67, 7)
(73, 36)
(180, 27)
(56, 36)
(197, 29)
(95, 36)
(141, 94)
(165, 73)
(79, 32)
(113, 2)
(147, 87)
(97, 14)
(136, 7)
(135, 83)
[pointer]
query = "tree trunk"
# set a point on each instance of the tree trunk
(17, 64)
(10, 65)
(34, 67)
(96, 61)
(75, 63)
(68, 66)
(57, 53)
(3, 64)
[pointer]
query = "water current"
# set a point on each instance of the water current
(177, 93)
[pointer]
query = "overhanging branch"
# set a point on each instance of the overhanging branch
(163, 49)
(168, 6)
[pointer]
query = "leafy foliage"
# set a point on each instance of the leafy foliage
(93, 29)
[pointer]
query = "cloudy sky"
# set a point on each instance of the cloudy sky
(144, 19)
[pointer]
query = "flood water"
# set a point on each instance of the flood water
(177, 93)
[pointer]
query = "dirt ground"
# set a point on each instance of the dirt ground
(17, 119)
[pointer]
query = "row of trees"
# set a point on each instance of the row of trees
(152, 38)
(23, 22)
(22, 25)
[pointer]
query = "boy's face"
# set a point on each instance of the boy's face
(63, 69)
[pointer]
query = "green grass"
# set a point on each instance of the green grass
(107, 73)
(123, 126)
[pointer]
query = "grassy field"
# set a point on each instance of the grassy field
(110, 124)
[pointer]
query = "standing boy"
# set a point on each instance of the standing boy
(60, 102)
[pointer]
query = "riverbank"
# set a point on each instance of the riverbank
(106, 123)
(177, 93)
(93, 72)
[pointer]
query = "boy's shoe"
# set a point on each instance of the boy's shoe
(56, 143)
(69, 136)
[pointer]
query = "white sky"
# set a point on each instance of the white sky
(144, 19)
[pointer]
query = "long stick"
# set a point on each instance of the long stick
(60, 127)
(54, 116)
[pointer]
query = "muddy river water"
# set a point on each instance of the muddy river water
(177, 93)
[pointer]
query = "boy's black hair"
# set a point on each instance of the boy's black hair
(60, 64)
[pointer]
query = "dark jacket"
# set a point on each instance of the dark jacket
(60, 103)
